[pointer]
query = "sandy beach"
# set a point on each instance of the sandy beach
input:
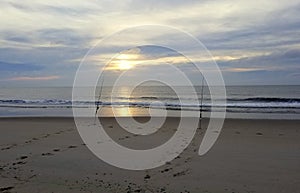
(48, 155)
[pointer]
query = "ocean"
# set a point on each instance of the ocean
(274, 102)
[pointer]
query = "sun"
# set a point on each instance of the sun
(123, 61)
(124, 65)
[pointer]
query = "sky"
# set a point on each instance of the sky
(253, 42)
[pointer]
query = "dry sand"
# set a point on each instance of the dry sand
(48, 155)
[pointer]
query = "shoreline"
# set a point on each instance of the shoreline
(243, 116)
(140, 112)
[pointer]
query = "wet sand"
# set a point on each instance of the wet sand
(48, 155)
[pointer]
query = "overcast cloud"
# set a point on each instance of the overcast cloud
(254, 42)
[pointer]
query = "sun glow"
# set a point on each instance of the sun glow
(123, 61)
(124, 65)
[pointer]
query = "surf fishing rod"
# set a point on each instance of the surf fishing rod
(201, 102)
(98, 101)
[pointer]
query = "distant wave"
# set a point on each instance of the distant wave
(36, 102)
(269, 99)
(149, 98)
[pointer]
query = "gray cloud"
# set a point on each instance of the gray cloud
(279, 28)
(51, 9)
(278, 61)
(50, 36)
(18, 67)
(152, 5)
(65, 36)
(53, 48)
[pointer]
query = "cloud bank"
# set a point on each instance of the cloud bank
(254, 42)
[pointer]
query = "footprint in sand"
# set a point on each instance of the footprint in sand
(9, 147)
(188, 159)
(122, 138)
(47, 154)
(6, 189)
(166, 170)
(72, 146)
(180, 173)
(19, 163)
(29, 141)
(23, 157)
(147, 177)
(45, 136)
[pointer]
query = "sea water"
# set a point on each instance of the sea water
(281, 102)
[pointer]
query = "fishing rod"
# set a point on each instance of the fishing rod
(201, 102)
(98, 101)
